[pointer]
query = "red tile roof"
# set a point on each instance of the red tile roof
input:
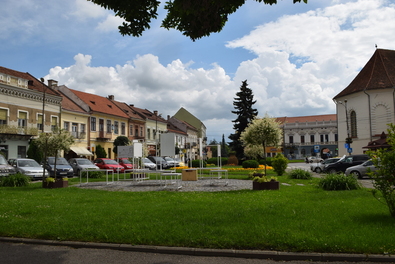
(378, 73)
(128, 110)
(100, 104)
(303, 119)
(69, 105)
(148, 114)
(33, 83)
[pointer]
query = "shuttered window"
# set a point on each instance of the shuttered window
(3, 116)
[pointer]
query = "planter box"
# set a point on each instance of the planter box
(189, 175)
(271, 185)
(59, 183)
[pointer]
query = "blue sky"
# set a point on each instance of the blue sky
(295, 57)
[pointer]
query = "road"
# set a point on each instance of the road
(15, 253)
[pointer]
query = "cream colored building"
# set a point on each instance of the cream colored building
(367, 104)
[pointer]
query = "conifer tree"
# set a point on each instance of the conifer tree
(245, 112)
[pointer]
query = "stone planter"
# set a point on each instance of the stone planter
(271, 185)
(59, 183)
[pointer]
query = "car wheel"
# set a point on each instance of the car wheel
(318, 170)
(356, 174)
(332, 171)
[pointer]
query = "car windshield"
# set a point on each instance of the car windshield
(126, 161)
(147, 161)
(168, 159)
(59, 161)
(3, 161)
(84, 162)
(110, 161)
(28, 163)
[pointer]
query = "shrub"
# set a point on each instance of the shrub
(250, 164)
(299, 174)
(196, 163)
(15, 180)
(233, 159)
(336, 182)
(224, 161)
(267, 162)
(279, 164)
(93, 174)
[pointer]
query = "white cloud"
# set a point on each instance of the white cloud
(85, 9)
(111, 23)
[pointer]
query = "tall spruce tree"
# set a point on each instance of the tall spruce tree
(245, 112)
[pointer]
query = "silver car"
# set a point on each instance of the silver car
(319, 166)
(29, 167)
(361, 170)
(149, 164)
(5, 168)
(80, 164)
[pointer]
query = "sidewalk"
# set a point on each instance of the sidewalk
(253, 254)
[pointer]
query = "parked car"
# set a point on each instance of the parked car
(361, 170)
(159, 161)
(318, 167)
(5, 168)
(80, 164)
(171, 162)
(149, 164)
(63, 168)
(126, 163)
(109, 164)
(28, 167)
(314, 159)
(179, 162)
(345, 162)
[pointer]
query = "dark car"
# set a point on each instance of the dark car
(345, 162)
(109, 164)
(80, 164)
(63, 168)
(159, 161)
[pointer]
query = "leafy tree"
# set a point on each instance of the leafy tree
(53, 143)
(120, 141)
(263, 132)
(34, 152)
(100, 152)
(245, 114)
(196, 19)
(384, 175)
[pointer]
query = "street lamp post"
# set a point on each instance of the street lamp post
(348, 139)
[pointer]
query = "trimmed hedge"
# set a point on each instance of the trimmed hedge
(250, 164)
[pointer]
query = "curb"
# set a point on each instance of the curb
(255, 254)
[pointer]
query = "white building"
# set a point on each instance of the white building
(367, 104)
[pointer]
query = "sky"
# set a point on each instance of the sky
(295, 57)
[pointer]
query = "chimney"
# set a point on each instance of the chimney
(132, 105)
(155, 112)
(168, 117)
(111, 97)
(52, 83)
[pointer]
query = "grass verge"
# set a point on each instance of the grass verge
(299, 217)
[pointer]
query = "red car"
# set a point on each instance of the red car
(125, 162)
(108, 164)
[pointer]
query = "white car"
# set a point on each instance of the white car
(314, 159)
(318, 167)
(149, 164)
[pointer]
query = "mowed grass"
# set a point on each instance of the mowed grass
(299, 217)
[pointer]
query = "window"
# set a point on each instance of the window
(93, 123)
(136, 131)
(336, 138)
(312, 139)
(109, 128)
(148, 133)
(21, 151)
(54, 122)
(74, 130)
(321, 138)
(291, 139)
(123, 128)
(301, 139)
(3, 116)
(66, 126)
(82, 127)
(141, 131)
(22, 119)
(40, 122)
(353, 119)
(326, 138)
(116, 127)
(131, 130)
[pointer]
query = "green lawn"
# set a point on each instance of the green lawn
(295, 218)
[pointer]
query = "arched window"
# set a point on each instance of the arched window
(353, 122)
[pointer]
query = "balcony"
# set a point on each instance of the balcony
(78, 135)
(103, 136)
(15, 130)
